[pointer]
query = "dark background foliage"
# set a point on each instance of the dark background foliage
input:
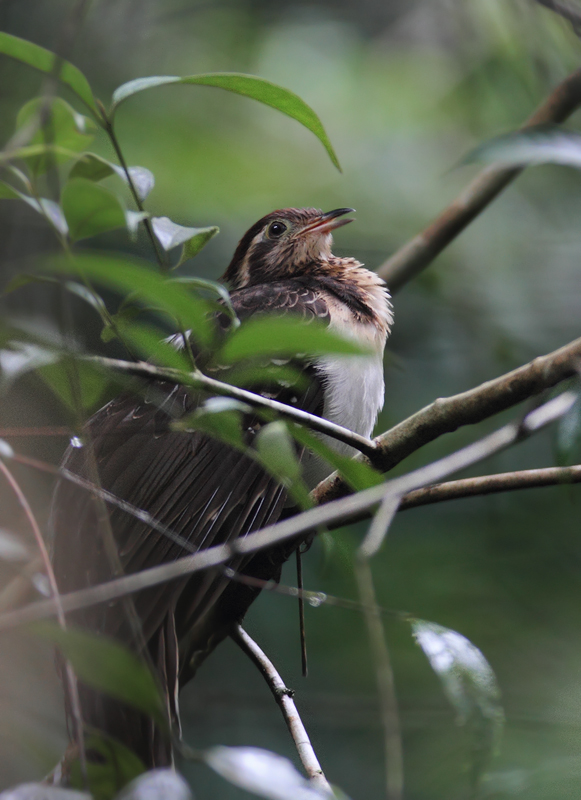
(404, 90)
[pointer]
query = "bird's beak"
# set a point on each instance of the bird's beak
(328, 222)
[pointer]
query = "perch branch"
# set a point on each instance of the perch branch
(345, 509)
(284, 698)
(446, 415)
(419, 253)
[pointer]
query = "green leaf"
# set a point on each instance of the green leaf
(543, 145)
(171, 235)
(95, 168)
(126, 276)
(114, 766)
(108, 666)
(64, 128)
(470, 685)
(221, 418)
(23, 357)
(357, 474)
(91, 209)
(248, 85)
(275, 336)
(216, 289)
(149, 342)
(261, 773)
(277, 454)
(47, 208)
(74, 382)
(43, 60)
(199, 240)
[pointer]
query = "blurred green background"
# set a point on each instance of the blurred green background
(404, 90)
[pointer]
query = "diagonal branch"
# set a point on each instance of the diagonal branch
(447, 414)
(419, 253)
(344, 510)
(284, 698)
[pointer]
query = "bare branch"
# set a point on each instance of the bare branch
(490, 484)
(448, 414)
(419, 253)
(345, 510)
(284, 698)
(201, 381)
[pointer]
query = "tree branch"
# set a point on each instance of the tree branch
(345, 509)
(201, 381)
(446, 415)
(284, 698)
(490, 484)
(419, 253)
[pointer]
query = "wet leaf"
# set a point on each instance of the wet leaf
(65, 131)
(171, 235)
(543, 145)
(248, 85)
(262, 772)
(157, 784)
(106, 665)
(275, 336)
(95, 168)
(199, 240)
(91, 209)
(43, 60)
(40, 791)
(221, 418)
(470, 685)
(110, 769)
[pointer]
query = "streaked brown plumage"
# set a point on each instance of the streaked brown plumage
(201, 488)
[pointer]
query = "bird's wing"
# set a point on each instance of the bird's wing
(202, 489)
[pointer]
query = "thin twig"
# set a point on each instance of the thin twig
(345, 509)
(446, 415)
(419, 253)
(394, 774)
(70, 676)
(284, 698)
(201, 381)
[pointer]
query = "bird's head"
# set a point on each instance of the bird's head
(283, 244)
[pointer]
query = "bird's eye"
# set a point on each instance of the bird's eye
(276, 229)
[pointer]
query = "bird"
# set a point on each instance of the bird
(202, 488)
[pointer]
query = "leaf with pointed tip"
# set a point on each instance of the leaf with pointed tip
(213, 288)
(43, 60)
(469, 683)
(543, 145)
(91, 209)
(63, 128)
(108, 666)
(128, 275)
(275, 336)
(96, 168)
(278, 455)
(221, 418)
(199, 240)
(262, 773)
(247, 85)
(47, 208)
(358, 474)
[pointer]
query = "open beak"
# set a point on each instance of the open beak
(328, 222)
